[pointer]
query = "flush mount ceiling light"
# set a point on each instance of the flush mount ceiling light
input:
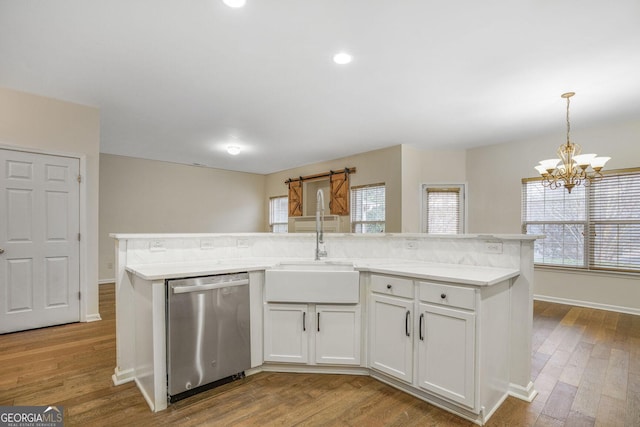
(342, 58)
(234, 150)
(572, 168)
(235, 3)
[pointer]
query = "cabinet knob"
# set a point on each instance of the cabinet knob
(388, 286)
(443, 296)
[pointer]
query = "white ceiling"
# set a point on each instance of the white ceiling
(177, 80)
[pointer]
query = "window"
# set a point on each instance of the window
(368, 208)
(595, 227)
(279, 214)
(442, 209)
(559, 215)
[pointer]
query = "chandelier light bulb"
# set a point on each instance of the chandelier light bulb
(584, 160)
(599, 162)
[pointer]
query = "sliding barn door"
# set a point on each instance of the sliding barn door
(339, 204)
(39, 240)
(295, 198)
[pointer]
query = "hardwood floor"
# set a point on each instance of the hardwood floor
(586, 365)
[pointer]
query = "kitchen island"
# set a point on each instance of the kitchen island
(463, 303)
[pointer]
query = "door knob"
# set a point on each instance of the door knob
(1, 251)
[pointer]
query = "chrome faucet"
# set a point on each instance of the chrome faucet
(320, 250)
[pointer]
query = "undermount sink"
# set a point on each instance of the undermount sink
(313, 282)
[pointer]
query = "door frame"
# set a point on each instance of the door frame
(83, 254)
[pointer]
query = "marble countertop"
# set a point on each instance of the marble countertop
(454, 273)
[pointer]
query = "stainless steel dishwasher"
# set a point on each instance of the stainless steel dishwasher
(208, 335)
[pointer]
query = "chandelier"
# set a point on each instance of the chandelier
(571, 168)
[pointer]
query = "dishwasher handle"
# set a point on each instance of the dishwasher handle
(219, 285)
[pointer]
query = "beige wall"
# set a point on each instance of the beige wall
(43, 124)
(371, 168)
(148, 196)
(426, 167)
(494, 174)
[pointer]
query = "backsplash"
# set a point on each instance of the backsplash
(482, 250)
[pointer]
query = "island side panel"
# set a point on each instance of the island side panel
(125, 315)
(150, 342)
(522, 327)
(493, 357)
(256, 283)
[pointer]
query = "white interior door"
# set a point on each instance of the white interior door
(39, 229)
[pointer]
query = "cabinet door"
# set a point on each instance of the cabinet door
(286, 333)
(390, 336)
(338, 334)
(446, 352)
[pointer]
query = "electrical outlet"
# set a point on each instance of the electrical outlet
(493, 247)
(411, 244)
(109, 266)
(157, 246)
(207, 244)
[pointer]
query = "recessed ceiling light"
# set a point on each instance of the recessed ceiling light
(342, 58)
(234, 150)
(235, 3)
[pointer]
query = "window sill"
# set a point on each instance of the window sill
(586, 271)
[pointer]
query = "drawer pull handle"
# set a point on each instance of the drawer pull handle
(406, 324)
(443, 296)
(388, 286)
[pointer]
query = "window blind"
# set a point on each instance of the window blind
(279, 214)
(442, 210)
(614, 229)
(368, 209)
(594, 227)
(560, 216)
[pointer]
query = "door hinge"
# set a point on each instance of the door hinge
(79, 295)
(78, 237)
(79, 179)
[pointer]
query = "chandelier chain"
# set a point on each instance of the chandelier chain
(568, 122)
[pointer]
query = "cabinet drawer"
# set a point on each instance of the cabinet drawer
(453, 296)
(389, 285)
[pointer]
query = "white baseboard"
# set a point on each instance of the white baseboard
(106, 281)
(93, 317)
(523, 393)
(588, 304)
(121, 377)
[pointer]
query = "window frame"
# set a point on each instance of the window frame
(273, 223)
(460, 188)
(590, 222)
(352, 208)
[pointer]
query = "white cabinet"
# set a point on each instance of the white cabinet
(391, 309)
(447, 341)
(442, 348)
(285, 333)
(446, 352)
(390, 340)
(332, 332)
(337, 334)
